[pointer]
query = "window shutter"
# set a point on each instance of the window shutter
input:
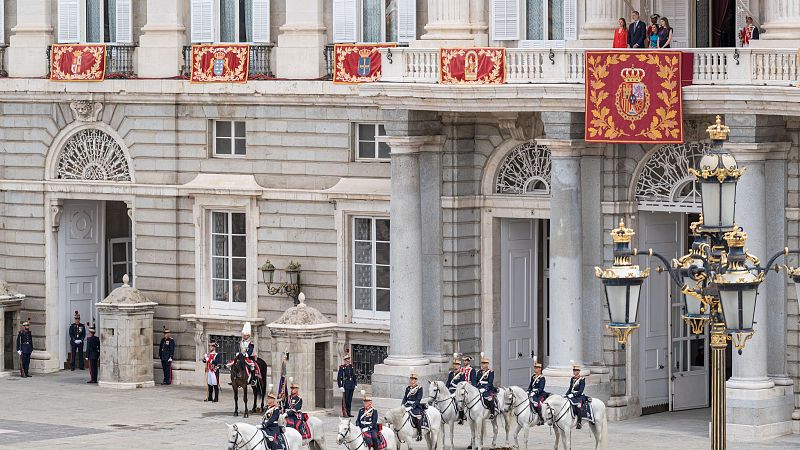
(505, 20)
(678, 16)
(260, 20)
(2, 22)
(344, 21)
(407, 21)
(570, 20)
(202, 20)
(68, 20)
(124, 22)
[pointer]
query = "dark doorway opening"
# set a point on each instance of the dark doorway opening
(723, 23)
(320, 371)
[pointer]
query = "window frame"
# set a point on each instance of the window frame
(230, 304)
(232, 138)
(357, 143)
(362, 315)
(83, 24)
(217, 22)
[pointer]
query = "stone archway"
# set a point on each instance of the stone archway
(525, 170)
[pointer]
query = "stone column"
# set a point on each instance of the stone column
(477, 17)
(449, 24)
(781, 25)
(600, 20)
(160, 52)
(776, 187)
(29, 39)
(302, 41)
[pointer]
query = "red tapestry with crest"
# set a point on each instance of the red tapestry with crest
(634, 97)
(472, 65)
(224, 63)
(357, 63)
(73, 62)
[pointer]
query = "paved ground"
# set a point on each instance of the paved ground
(61, 410)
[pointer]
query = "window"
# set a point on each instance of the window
(227, 347)
(230, 20)
(364, 359)
(374, 20)
(367, 146)
(371, 270)
(95, 21)
(545, 20)
(536, 23)
(229, 138)
(229, 258)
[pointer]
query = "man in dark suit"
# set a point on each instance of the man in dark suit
(346, 380)
(637, 31)
(93, 352)
(166, 350)
(77, 333)
(25, 348)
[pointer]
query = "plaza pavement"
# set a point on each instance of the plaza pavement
(62, 411)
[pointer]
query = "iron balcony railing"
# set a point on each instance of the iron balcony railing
(327, 53)
(260, 67)
(119, 60)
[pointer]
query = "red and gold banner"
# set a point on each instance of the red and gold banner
(73, 62)
(357, 63)
(224, 63)
(472, 65)
(634, 97)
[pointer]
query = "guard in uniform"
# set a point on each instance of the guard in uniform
(77, 333)
(455, 375)
(25, 348)
(470, 375)
(412, 403)
(367, 420)
(575, 392)
(270, 422)
(93, 352)
(536, 390)
(293, 407)
(248, 349)
(213, 361)
(346, 380)
(166, 350)
(486, 386)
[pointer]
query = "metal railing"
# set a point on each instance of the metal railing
(3, 72)
(327, 54)
(119, 60)
(364, 359)
(260, 67)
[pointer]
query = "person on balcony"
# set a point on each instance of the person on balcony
(749, 32)
(621, 34)
(636, 31)
(664, 34)
(652, 31)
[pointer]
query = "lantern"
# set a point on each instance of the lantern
(718, 175)
(268, 272)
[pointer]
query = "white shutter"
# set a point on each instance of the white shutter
(124, 22)
(260, 20)
(344, 21)
(505, 20)
(2, 22)
(202, 20)
(68, 21)
(570, 20)
(407, 21)
(677, 11)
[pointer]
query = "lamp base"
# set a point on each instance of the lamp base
(622, 332)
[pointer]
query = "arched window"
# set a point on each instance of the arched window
(92, 155)
(525, 171)
(665, 184)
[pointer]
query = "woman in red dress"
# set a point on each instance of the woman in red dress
(621, 34)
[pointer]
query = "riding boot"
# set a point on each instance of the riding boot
(216, 393)
(461, 417)
(419, 433)
(491, 410)
(210, 392)
(578, 415)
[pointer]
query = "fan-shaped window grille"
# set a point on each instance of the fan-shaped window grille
(94, 156)
(665, 183)
(525, 171)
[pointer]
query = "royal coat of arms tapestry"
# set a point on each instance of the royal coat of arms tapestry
(634, 97)
(224, 63)
(72, 62)
(357, 63)
(478, 65)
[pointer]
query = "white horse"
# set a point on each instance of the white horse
(517, 404)
(399, 420)
(445, 402)
(470, 400)
(243, 436)
(352, 438)
(314, 424)
(557, 412)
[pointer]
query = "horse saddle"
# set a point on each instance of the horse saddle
(419, 421)
(381, 444)
(587, 412)
(489, 398)
(279, 441)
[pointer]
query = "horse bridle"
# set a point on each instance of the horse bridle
(345, 441)
(469, 404)
(234, 444)
(451, 398)
(564, 409)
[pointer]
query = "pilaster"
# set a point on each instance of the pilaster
(30, 38)
(454, 23)
(599, 21)
(299, 53)
(161, 44)
(781, 27)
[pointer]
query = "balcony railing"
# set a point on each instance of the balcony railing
(777, 67)
(119, 60)
(260, 67)
(327, 53)
(3, 72)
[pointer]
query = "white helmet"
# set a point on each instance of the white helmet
(246, 329)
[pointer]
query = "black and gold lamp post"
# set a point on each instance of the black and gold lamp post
(718, 278)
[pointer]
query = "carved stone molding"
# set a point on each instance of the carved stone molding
(56, 210)
(86, 110)
(520, 127)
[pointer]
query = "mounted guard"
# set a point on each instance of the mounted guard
(575, 392)
(269, 425)
(536, 391)
(412, 403)
(367, 421)
(455, 376)
(470, 375)
(248, 350)
(293, 406)
(486, 386)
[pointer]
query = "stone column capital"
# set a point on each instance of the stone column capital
(757, 151)
(572, 148)
(404, 145)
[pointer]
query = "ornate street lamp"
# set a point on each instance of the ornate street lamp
(291, 287)
(696, 306)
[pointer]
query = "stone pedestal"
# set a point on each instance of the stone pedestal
(30, 38)
(302, 41)
(454, 23)
(126, 339)
(298, 331)
(162, 39)
(10, 302)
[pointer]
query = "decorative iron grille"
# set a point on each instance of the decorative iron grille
(119, 60)
(260, 67)
(227, 346)
(364, 359)
(665, 184)
(525, 171)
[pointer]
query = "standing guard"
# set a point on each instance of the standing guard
(412, 403)
(293, 405)
(248, 350)
(166, 350)
(213, 361)
(77, 333)
(536, 391)
(346, 380)
(486, 386)
(575, 392)
(271, 429)
(93, 353)
(367, 421)
(25, 348)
